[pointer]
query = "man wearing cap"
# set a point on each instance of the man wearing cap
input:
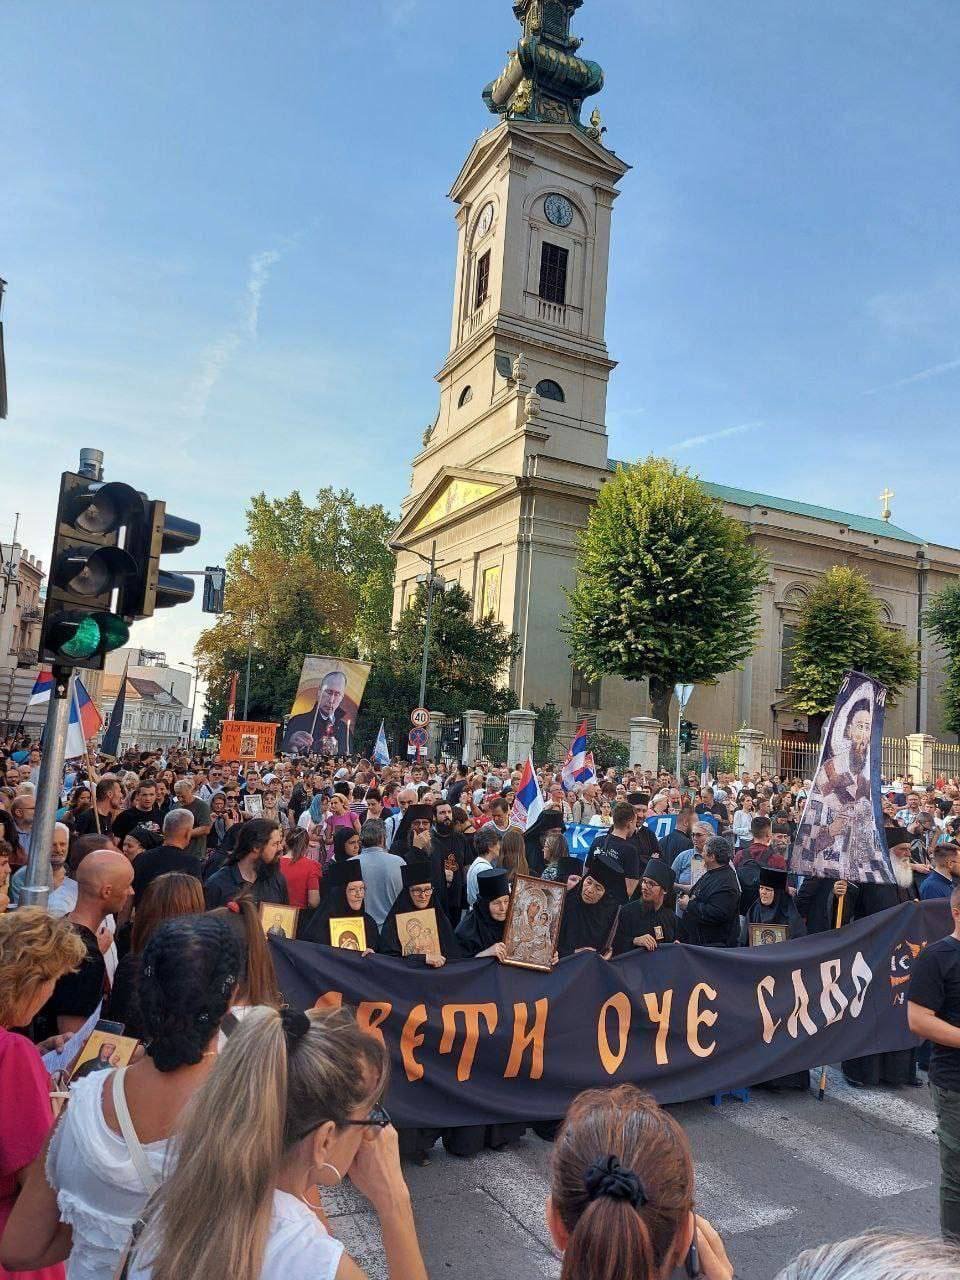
(711, 910)
(648, 922)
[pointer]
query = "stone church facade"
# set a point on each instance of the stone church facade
(508, 472)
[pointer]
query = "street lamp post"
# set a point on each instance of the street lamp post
(246, 687)
(431, 586)
(193, 705)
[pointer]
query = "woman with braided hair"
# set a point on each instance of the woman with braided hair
(293, 1103)
(621, 1200)
(83, 1194)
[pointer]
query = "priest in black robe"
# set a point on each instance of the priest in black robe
(648, 921)
(899, 1066)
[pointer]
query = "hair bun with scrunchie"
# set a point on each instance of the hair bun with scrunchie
(295, 1027)
(608, 1177)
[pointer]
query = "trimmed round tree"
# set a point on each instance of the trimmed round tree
(841, 628)
(667, 584)
(943, 619)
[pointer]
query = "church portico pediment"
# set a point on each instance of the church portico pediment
(452, 492)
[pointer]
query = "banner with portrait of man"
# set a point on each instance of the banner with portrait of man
(840, 836)
(324, 715)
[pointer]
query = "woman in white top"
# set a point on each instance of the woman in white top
(290, 1106)
(106, 1155)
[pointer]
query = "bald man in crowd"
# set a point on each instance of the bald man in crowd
(104, 886)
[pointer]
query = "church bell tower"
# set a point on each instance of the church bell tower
(518, 450)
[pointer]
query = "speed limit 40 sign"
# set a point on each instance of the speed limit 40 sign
(420, 717)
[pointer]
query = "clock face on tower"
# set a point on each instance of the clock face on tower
(559, 210)
(486, 220)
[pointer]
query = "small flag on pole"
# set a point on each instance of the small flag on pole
(85, 721)
(528, 804)
(578, 767)
(381, 752)
(705, 779)
(110, 746)
(41, 689)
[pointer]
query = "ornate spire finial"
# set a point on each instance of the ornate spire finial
(543, 80)
(885, 497)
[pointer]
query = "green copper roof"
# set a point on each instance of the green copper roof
(543, 80)
(748, 498)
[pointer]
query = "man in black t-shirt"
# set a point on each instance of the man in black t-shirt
(142, 813)
(170, 856)
(933, 1011)
(619, 845)
(104, 881)
(107, 800)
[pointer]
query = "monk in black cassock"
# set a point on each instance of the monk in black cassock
(774, 905)
(899, 1066)
(534, 836)
(590, 910)
(344, 900)
(449, 850)
(480, 934)
(417, 895)
(648, 921)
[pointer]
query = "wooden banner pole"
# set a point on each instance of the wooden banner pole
(823, 1070)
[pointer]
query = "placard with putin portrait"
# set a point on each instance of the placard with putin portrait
(323, 719)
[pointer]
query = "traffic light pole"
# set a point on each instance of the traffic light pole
(36, 886)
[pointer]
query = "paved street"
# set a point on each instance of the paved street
(775, 1175)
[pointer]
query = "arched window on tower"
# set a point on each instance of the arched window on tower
(466, 395)
(550, 390)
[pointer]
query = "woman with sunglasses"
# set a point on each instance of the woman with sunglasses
(293, 1103)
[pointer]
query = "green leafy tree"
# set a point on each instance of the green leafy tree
(943, 619)
(467, 663)
(308, 579)
(840, 628)
(667, 585)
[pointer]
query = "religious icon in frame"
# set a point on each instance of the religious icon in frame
(418, 932)
(348, 932)
(253, 805)
(533, 922)
(278, 920)
(103, 1051)
(763, 935)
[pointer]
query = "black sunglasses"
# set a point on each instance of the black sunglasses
(378, 1117)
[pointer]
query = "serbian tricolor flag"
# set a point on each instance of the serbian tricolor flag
(705, 778)
(528, 804)
(578, 767)
(85, 721)
(41, 689)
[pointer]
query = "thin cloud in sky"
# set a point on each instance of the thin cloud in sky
(218, 355)
(935, 371)
(694, 441)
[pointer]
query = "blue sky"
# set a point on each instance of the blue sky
(230, 254)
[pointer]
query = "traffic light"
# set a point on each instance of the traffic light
(688, 733)
(214, 586)
(86, 566)
(154, 534)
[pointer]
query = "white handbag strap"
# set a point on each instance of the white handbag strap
(137, 1153)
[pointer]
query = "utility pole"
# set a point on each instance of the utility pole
(431, 586)
(246, 688)
(36, 885)
(194, 667)
(683, 692)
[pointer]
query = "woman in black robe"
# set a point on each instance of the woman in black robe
(417, 895)
(344, 900)
(480, 934)
(591, 910)
(775, 906)
(534, 836)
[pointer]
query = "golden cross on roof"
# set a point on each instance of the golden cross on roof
(885, 497)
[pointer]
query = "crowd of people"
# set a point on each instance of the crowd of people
(160, 868)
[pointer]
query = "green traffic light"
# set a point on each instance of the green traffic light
(77, 637)
(84, 642)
